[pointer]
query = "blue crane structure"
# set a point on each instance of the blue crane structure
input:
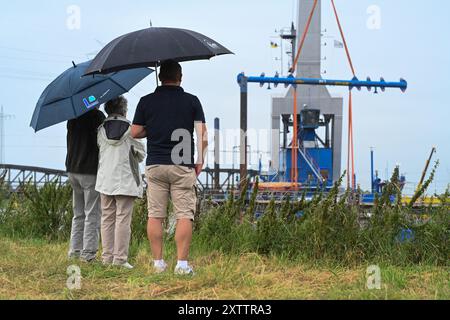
(353, 83)
(317, 163)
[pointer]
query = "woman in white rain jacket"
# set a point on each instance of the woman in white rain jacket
(119, 181)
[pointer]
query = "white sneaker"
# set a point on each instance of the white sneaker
(125, 265)
(160, 268)
(188, 271)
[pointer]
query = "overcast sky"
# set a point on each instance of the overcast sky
(36, 45)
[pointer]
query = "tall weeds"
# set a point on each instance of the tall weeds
(329, 228)
(38, 212)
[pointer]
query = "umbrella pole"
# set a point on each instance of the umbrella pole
(156, 73)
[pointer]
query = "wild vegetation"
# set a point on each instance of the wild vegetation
(332, 229)
(329, 228)
(325, 244)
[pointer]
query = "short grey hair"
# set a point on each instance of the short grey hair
(118, 105)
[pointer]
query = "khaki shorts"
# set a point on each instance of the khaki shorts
(176, 182)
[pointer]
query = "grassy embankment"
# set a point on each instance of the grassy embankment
(303, 250)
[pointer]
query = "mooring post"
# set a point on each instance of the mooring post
(243, 132)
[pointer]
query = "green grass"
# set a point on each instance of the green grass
(36, 269)
(322, 255)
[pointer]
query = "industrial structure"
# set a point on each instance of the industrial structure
(307, 159)
(324, 110)
(307, 130)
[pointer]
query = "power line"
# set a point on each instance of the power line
(27, 72)
(68, 61)
(18, 77)
(36, 146)
(41, 52)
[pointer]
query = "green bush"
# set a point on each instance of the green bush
(139, 221)
(220, 228)
(39, 212)
(330, 228)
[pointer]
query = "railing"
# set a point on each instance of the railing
(14, 176)
(310, 161)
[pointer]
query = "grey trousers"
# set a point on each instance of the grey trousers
(84, 239)
(117, 212)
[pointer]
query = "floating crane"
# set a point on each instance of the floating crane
(316, 162)
(243, 81)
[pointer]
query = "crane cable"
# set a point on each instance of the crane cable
(305, 32)
(351, 157)
(351, 150)
(294, 155)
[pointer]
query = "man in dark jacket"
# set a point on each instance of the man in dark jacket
(82, 164)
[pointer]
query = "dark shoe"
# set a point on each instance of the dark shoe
(88, 260)
(74, 255)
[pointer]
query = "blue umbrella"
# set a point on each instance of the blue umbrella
(71, 95)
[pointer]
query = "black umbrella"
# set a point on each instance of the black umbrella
(149, 47)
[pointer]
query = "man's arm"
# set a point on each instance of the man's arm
(202, 146)
(138, 150)
(138, 132)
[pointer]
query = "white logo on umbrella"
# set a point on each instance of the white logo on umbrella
(103, 95)
(212, 45)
